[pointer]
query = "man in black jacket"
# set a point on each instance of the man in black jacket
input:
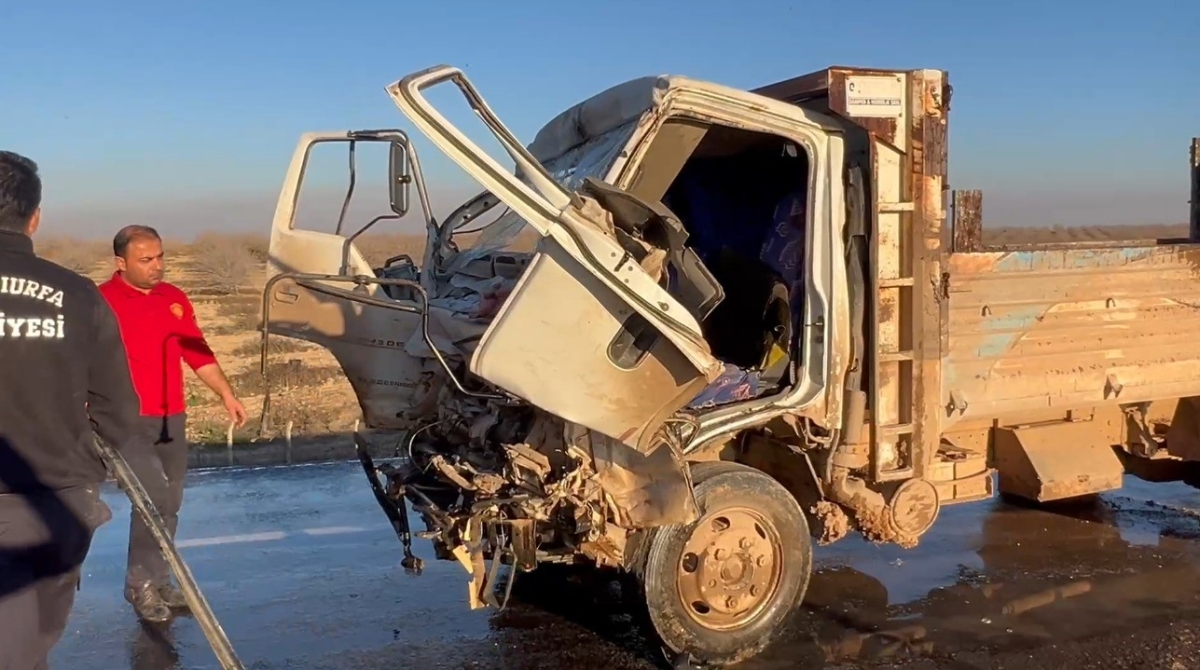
(63, 375)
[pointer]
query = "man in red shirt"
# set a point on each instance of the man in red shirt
(159, 328)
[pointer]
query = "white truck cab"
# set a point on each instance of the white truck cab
(703, 365)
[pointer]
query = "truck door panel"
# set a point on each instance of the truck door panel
(587, 333)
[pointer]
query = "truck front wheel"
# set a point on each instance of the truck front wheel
(720, 587)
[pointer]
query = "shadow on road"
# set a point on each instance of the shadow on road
(56, 547)
(153, 648)
(45, 535)
(1050, 575)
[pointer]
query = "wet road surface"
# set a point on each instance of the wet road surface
(303, 571)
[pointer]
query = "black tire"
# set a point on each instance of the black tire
(664, 573)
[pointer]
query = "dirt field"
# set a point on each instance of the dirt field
(1005, 235)
(224, 276)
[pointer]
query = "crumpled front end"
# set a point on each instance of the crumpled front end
(498, 480)
(499, 483)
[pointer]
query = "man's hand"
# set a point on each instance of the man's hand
(236, 411)
(214, 378)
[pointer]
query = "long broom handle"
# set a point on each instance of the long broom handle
(191, 592)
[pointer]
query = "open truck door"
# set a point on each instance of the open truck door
(316, 279)
(587, 333)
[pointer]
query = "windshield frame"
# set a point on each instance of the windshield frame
(602, 156)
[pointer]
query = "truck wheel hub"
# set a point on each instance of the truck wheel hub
(729, 569)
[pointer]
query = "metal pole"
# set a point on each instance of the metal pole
(1194, 222)
(191, 592)
(229, 444)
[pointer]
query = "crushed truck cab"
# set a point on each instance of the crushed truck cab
(745, 329)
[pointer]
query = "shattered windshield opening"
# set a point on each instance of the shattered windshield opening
(594, 158)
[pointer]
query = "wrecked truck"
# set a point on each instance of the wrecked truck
(748, 326)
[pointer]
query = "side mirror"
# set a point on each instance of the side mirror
(399, 178)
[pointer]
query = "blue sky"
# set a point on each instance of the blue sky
(184, 115)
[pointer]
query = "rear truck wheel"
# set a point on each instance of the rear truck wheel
(719, 588)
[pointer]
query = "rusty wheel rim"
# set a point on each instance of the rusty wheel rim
(730, 568)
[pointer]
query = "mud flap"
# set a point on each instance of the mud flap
(1183, 437)
(1051, 462)
(396, 512)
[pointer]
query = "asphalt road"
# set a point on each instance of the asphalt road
(303, 571)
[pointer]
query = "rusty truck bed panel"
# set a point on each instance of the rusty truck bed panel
(1064, 328)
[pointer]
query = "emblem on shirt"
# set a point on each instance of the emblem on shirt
(177, 310)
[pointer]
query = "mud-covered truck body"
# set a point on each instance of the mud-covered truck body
(749, 322)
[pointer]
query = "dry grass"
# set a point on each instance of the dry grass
(235, 313)
(224, 277)
(276, 346)
(377, 248)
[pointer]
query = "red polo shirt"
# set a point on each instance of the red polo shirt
(159, 329)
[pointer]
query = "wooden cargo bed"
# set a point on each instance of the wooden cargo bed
(1070, 327)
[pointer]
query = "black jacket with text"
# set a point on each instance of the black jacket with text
(63, 374)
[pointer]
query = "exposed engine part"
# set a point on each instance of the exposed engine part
(498, 483)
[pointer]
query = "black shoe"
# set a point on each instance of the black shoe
(147, 603)
(172, 597)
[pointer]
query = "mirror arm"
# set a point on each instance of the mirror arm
(349, 191)
(374, 221)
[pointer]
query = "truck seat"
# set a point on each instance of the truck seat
(783, 252)
(783, 248)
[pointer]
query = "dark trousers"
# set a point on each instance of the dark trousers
(44, 539)
(159, 459)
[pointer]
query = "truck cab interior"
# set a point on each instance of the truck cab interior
(742, 196)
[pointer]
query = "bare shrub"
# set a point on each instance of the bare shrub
(223, 262)
(254, 244)
(82, 256)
